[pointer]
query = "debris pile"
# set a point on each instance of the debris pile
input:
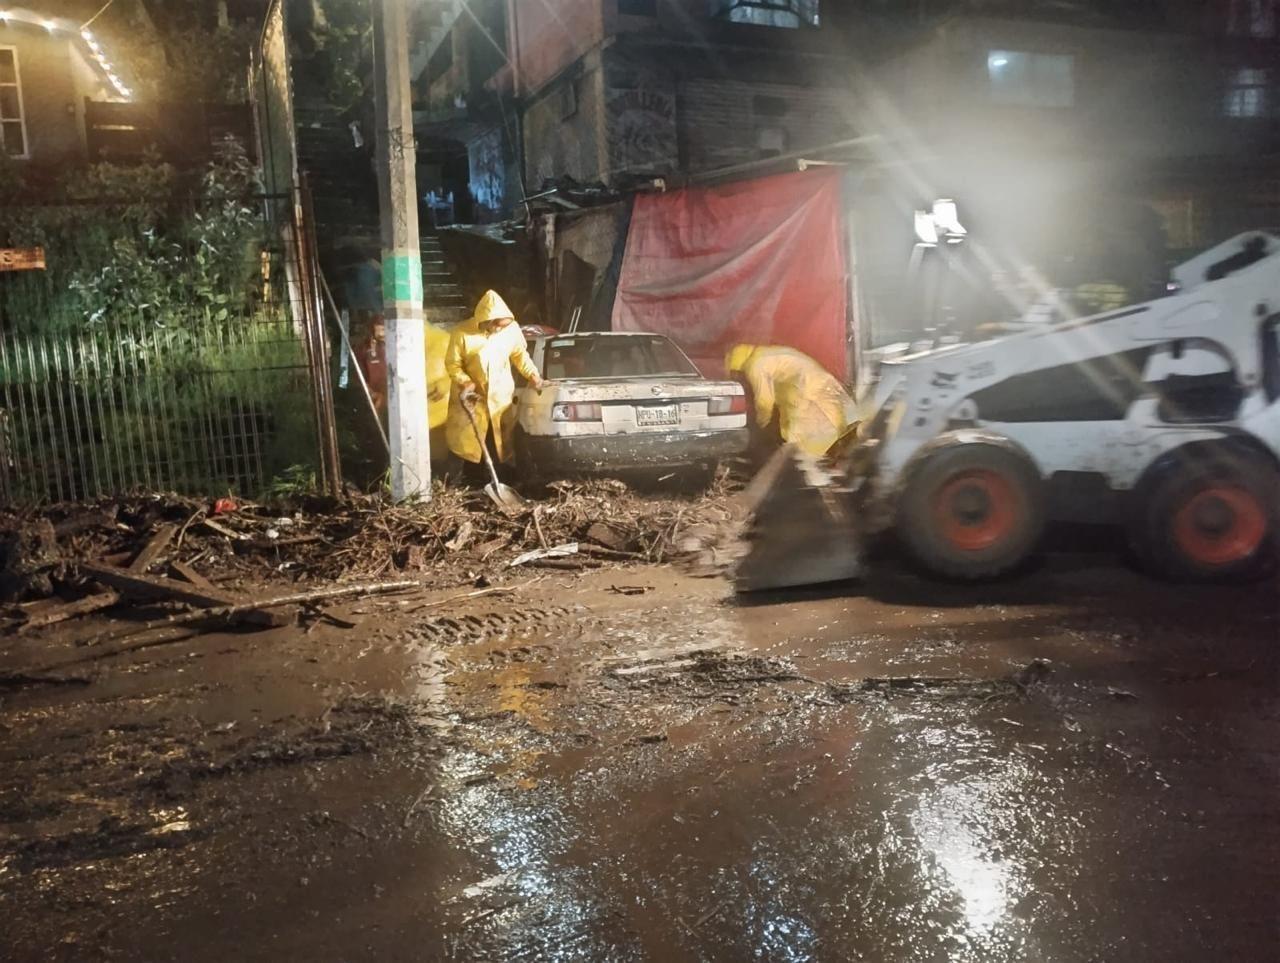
(69, 561)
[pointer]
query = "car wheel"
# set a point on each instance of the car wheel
(972, 511)
(1208, 516)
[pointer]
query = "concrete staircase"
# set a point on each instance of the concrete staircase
(344, 196)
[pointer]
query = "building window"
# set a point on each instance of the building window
(768, 13)
(1021, 79)
(13, 132)
(638, 8)
(1251, 92)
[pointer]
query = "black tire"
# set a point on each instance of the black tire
(972, 511)
(1207, 514)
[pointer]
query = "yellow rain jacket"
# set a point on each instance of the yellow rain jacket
(438, 382)
(486, 361)
(813, 408)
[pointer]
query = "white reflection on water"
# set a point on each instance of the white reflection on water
(948, 824)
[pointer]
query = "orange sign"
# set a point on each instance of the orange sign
(22, 259)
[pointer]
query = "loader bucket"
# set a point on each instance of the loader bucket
(800, 529)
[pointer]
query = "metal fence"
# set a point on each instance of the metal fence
(271, 99)
(174, 348)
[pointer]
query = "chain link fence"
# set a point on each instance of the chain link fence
(159, 350)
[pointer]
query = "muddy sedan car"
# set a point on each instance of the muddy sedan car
(621, 402)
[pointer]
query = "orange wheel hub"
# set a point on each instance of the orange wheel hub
(976, 509)
(1220, 524)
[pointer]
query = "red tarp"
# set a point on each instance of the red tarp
(757, 261)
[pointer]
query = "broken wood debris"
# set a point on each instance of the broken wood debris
(144, 547)
(160, 589)
(53, 611)
(157, 544)
(178, 628)
(541, 554)
(191, 575)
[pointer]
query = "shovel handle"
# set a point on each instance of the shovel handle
(484, 448)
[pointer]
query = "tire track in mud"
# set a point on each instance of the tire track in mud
(478, 629)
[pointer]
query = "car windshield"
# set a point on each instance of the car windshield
(629, 356)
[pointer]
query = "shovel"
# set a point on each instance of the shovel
(506, 498)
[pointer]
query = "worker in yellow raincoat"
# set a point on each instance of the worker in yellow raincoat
(439, 384)
(482, 351)
(812, 407)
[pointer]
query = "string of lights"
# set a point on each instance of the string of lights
(86, 36)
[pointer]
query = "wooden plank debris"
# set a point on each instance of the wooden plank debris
(158, 543)
(174, 628)
(160, 589)
(53, 611)
(190, 574)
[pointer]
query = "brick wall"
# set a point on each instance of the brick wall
(723, 122)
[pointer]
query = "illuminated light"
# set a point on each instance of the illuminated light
(5, 15)
(926, 230)
(947, 218)
(940, 223)
(48, 25)
(995, 63)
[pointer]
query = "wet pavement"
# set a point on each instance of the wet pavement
(635, 765)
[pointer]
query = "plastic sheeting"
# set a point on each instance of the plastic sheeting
(758, 261)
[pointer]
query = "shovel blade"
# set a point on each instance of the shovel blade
(506, 498)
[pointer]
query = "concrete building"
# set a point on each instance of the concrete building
(1077, 136)
(50, 70)
(1080, 144)
(606, 91)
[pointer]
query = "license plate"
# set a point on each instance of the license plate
(651, 415)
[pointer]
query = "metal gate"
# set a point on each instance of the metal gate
(146, 358)
(171, 345)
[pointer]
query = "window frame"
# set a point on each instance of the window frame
(722, 10)
(22, 109)
(1236, 96)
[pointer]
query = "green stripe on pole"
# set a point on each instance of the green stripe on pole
(401, 278)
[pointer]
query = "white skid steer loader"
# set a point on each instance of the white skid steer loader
(1163, 417)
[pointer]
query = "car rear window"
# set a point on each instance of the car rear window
(632, 356)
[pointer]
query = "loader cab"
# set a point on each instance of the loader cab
(1195, 381)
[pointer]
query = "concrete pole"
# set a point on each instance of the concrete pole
(401, 256)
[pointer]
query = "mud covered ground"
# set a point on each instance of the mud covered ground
(632, 765)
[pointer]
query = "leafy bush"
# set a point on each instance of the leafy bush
(158, 348)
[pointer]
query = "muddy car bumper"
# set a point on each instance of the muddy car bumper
(593, 453)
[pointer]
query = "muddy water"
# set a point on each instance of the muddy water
(1077, 766)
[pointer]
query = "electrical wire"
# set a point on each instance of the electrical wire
(97, 15)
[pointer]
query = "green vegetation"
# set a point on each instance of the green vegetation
(159, 349)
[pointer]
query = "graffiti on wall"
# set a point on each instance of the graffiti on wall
(488, 176)
(641, 108)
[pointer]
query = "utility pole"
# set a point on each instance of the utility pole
(401, 255)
